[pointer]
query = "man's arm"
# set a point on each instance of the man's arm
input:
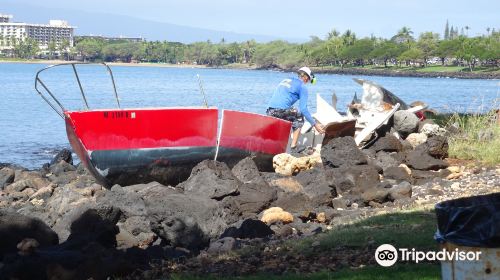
(303, 95)
(303, 109)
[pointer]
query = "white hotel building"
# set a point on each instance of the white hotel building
(56, 30)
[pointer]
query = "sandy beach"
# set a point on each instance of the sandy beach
(142, 64)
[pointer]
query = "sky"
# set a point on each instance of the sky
(300, 19)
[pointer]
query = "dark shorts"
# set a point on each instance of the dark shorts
(291, 115)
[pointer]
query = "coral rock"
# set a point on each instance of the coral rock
(433, 130)
(416, 139)
(276, 214)
(288, 165)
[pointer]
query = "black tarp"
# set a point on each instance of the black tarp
(471, 221)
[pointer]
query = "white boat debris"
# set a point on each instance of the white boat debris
(363, 117)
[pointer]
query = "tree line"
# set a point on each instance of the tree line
(336, 49)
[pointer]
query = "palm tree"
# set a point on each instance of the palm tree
(348, 37)
(447, 31)
(404, 35)
(64, 48)
(405, 31)
(332, 34)
(248, 50)
(334, 47)
(52, 47)
(467, 30)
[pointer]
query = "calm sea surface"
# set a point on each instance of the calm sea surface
(31, 132)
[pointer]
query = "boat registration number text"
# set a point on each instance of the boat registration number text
(119, 115)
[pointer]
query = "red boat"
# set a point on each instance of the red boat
(128, 146)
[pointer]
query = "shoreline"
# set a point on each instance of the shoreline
(338, 71)
(123, 64)
(413, 74)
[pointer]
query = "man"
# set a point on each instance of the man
(286, 94)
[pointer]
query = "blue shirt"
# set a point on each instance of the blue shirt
(287, 93)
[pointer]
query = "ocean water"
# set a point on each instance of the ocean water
(31, 132)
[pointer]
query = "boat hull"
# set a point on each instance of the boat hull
(245, 134)
(138, 146)
(167, 165)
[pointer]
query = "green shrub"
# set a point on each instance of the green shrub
(478, 137)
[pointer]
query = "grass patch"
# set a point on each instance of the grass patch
(239, 66)
(400, 271)
(440, 68)
(478, 137)
(427, 69)
(352, 247)
(411, 229)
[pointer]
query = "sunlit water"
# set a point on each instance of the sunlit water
(31, 132)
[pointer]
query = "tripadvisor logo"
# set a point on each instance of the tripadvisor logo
(388, 255)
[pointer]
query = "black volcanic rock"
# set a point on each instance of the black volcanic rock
(63, 155)
(247, 172)
(186, 221)
(405, 122)
(354, 179)
(342, 151)
(249, 228)
(95, 225)
(16, 227)
(436, 146)
(251, 200)
(316, 187)
(385, 160)
(421, 160)
(397, 173)
(211, 179)
(388, 143)
(6, 176)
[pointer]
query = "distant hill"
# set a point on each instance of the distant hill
(115, 25)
